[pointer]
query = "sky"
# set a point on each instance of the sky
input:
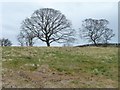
(13, 13)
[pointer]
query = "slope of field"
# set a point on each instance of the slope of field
(60, 67)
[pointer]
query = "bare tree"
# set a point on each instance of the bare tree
(96, 30)
(26, 38)
(69, 42)
(21, 39)
(5, 42)
(48, 25)
(108, 34)
(70, 39)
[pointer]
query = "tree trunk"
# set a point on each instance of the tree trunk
(95, 44)
(48, 44)
(105, 44)
(31, 42)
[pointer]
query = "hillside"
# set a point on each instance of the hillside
(101, 45)
(60, 67)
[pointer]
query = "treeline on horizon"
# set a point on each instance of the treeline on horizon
(101, 45)
(49, 25)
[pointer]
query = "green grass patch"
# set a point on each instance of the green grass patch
(70, 60)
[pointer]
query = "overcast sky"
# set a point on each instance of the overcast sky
(13, 13)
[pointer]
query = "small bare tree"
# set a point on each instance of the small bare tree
(96, 30)
(21, 39)
(69, 42)
(108, 34)
(70, 39)
(26, 38)
(48, 25)
(5, 42)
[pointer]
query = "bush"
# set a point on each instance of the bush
(5, 42)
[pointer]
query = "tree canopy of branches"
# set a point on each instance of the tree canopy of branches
(48, 25)
(5, 42)
(69, 41)
(26, 38)
(96, 31)
(108, 34)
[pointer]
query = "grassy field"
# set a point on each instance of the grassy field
(60, 67)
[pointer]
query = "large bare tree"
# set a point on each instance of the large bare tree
(96, 31)
(48, 25)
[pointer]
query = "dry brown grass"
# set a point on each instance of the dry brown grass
(60, 67)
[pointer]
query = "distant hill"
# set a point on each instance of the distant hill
(101, 45)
